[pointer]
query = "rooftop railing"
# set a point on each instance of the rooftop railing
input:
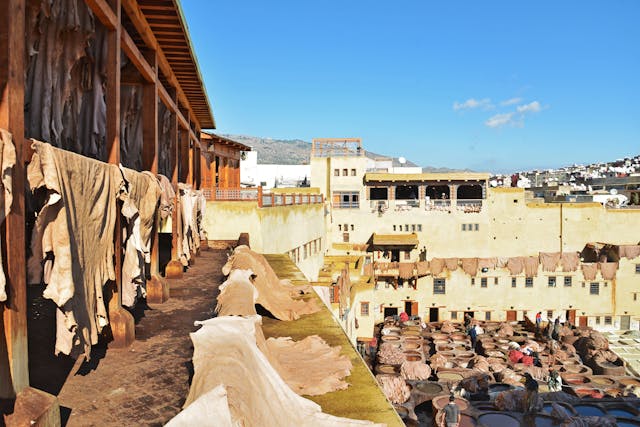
(256, 194)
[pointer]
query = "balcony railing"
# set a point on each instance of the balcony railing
(264, 199)
(444, 205)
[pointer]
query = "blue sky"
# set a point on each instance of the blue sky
(487, 85)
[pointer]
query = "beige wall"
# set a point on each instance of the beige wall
(508, 225)
(276, 229)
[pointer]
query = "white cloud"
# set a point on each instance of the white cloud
(511, 101)
(472, 103)
(532, 107)
(500, 120)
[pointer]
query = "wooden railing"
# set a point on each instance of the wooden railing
(263, 199)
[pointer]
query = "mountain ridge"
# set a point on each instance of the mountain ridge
(297, 152)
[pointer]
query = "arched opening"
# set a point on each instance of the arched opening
(407, 192)
(436, 192)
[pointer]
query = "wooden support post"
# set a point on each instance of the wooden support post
(184, 148)
(14, 366)
(120, 320)
(174, 269)
(157, 287)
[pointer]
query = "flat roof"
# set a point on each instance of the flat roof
(410, 239)
(433, 176)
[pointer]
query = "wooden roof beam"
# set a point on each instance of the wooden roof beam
(139, 21)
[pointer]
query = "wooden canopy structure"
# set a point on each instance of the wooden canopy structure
(392, 241)
(141, 50)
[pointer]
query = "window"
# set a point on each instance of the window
(473, 281)
(419, 227)
(406, 227)
(483, 282)
(594, 288)
(607, 320)
(495, 280)
(336, 172)
(364, 308)
(339, 227)
(513, 282)
(528, 282)
(345, 237)
(475, 227)
(597, 320)
(464, 227)
(549, 314)
(552, 281)
(567, 280)
(394, 228)
(439, 286)
(345, 227)
(345, 172)
(353, 172)
(407, 254)
(351, 227)
(454, 315)
(635, 296)
(413, 227)
(487, 315)
(637, 268)
(346, 199)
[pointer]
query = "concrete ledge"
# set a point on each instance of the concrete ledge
(363, 399)
(34, 408)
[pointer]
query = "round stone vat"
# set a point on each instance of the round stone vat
(386, 369)
(602, 380)
(449, 376)
(589, 410)
(544, 421)
(497, 419)
(402, 411)
(411, 346)
(575, 379)
(467, 421)
(548, 407)
(439, 402)
(390, 338)
(623, 411)
(427, 387)
(625, 381)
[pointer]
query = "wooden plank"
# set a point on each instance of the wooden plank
(139, 21)
(14, 366)
(133, 53)
(120, 320)
(103, 12)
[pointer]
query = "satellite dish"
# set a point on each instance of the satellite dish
(613, 192)
(402, 160)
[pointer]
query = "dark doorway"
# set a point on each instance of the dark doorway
(407, 307)
(571, 316)
(583, 321)
(512, 315)
(470, 313)
(469, 192)
(438, 191)
(395, 255)
(625, 322)
(434, 314)
(390, 311)
(407, 192)
(378, 193)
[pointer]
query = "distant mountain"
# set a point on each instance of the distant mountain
(276, 151)
(290, 151)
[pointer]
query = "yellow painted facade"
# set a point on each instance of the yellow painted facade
(507, 225)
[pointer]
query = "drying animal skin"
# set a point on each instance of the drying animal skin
(225, 353)
(390, 354)
(395, 388)
(77, 226)
(417, 370)
(7, 161)
(273, 294)
(237, 295)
